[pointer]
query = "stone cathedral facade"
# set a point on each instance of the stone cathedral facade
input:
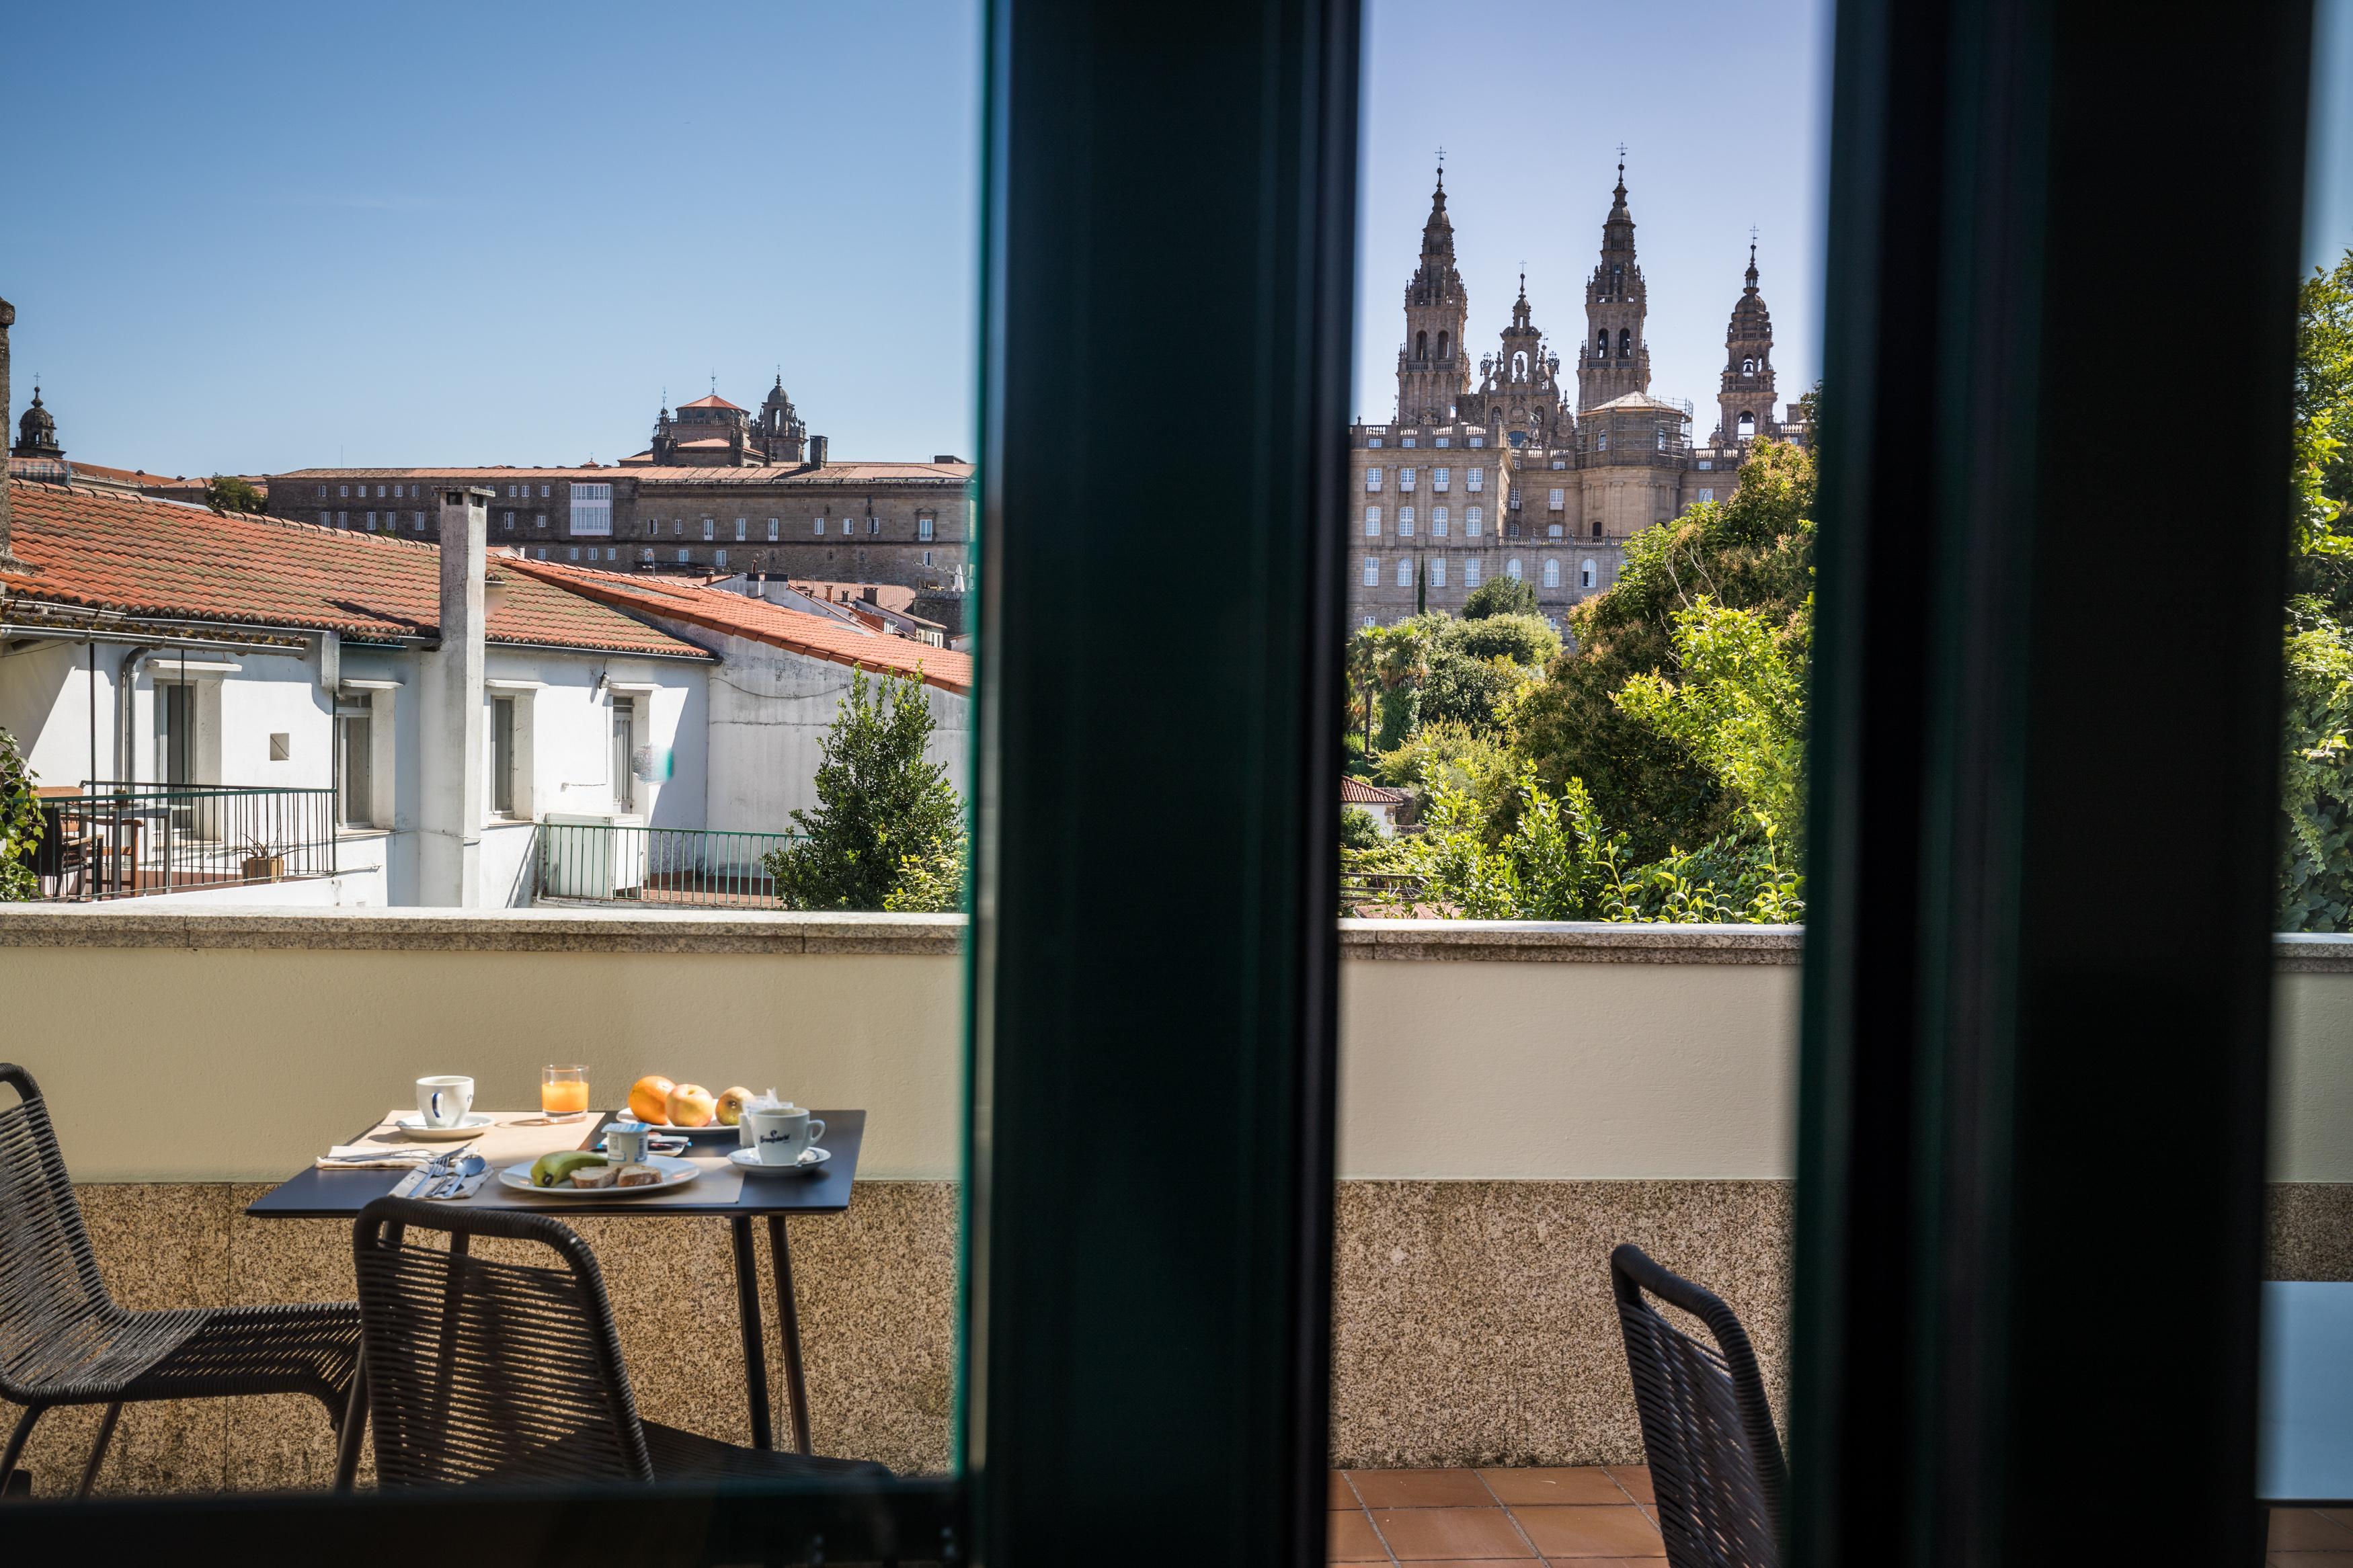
(1495, 470)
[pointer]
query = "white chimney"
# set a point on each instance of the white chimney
(450, 803)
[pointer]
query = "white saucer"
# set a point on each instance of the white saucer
(414, 1127)
(749, 1159)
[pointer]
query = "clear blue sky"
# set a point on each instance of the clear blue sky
(255, 236)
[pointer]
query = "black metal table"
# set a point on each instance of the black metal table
(341, 1195)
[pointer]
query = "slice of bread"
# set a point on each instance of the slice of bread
(637, 1176)
(594, 1176)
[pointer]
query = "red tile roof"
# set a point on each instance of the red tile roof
(714, 401)
(797, 631)
(158, 558)
(1357, 792)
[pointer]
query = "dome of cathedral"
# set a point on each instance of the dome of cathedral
(36, 432)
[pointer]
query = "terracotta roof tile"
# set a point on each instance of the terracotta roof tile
(160, 558)
(797, 631)
(1357, 792)
(714, 401)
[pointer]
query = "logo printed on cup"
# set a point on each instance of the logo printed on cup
(443, 1101)
(779, 1133)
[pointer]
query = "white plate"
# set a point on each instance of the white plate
(749, 1159)
(414, 1127)
(675, 1174)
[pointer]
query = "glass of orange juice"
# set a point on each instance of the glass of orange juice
(564, 1091)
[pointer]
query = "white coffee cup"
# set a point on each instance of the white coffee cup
(780, 1133)
(444, 1101)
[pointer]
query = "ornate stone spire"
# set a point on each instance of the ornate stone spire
(1615, 360)
(36, 432)
(1745, 399)
(1433, 368)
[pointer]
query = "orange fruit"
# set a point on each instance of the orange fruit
(650, 1099)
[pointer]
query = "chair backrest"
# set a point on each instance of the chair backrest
(50, 1289)
(483, 1369)
(1715, 1460)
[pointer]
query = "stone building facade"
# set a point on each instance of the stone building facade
(1491, 473)
(707, 511)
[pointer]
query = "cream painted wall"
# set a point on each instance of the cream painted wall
(231, 1058)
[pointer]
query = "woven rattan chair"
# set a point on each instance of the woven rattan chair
(483, 1371)
(63, 1341)
(1716, 1461)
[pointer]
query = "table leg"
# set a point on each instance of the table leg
(788, 1318)
(747, 1314)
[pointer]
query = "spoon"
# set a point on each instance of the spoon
(464, 1171)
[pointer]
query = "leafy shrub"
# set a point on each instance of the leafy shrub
(887, 823)
(1500, 597)
(1359, 829)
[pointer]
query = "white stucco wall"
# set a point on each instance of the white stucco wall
(769, 711)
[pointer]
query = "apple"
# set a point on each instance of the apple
(691, 1105)
(650, 1099)
(731, 1103)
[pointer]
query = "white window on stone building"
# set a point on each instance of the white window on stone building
(1437, 523)
(818, 524)
(1556, 499)
(1553, 532)
(677, 526)
(927, 558)
(1405, 571)
(1370, 622)
(645, 552)
(1407, 442)
(718, 558)
(543, 492)
(592, 511)
(1478, 440)
(1706, 494)
(1405, 478)
(1373, 441)
(1372, 479)
(774, 525)
(1443, 441)
(419, 523)
(1405, 523)
(1471, 572)
(1511, 568)
(1585, 574)
(539, 520)
(1437, 573)
(342, 492)
(1601, 441)
(371, 523)
(1438, 478)
(1475, 480)
(342, 520)
(681, 555)
(1473, 519)
(873, 525)
(710, 528)
(1372, 522)
(575, 552)
(1551, 573)
(923, 526)
(1372, 571)
(1705, 464)
(1560, 462)
(741, 524)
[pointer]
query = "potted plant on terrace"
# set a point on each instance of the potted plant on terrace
(263, 863)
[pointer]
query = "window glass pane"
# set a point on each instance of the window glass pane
(293, 718)
(1506, 738)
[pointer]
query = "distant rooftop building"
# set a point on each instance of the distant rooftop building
(714, 433)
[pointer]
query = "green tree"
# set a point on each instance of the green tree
(1500, 597)
(227, 493)
(1738, 708)
(1753, 552)
(2315, 867)
(1359, 829)
(20, 824)
(888, 830)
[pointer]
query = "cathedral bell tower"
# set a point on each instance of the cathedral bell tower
(1433, 367)
(783, 434)
(1615, 360)
(1519, 388)
(1745, 402)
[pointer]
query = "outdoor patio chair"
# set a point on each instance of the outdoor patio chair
(63, 1340)
(1715, 1460)
(485, 1371)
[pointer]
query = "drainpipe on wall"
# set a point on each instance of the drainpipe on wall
(126, 704)
(449, 803)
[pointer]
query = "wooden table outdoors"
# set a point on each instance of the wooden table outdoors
(341, 1195)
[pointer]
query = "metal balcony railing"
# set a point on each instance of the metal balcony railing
(601, 863)
(120, 839)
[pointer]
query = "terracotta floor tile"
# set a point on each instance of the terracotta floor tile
(1421, 1489)
(1620, 1532)
(2308, 1529)
(1349, 1539)
(1635, 1479)
(1585, 1484)
(1449, 1534)
(1342, 1495)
